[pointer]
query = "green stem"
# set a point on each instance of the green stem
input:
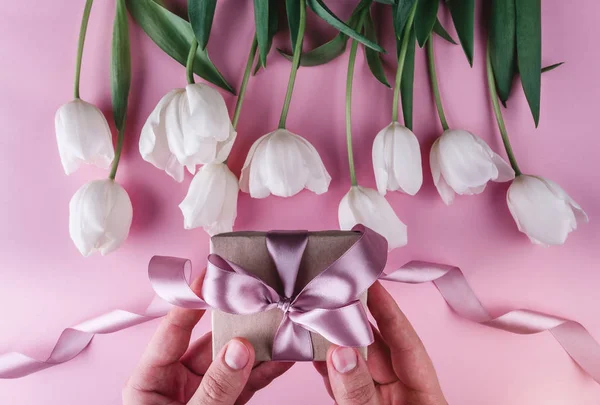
(295, 64)
(82, 31)
(118, 149)
(240, 99)
(401, 59)
(189, 65)
(434, 83)
(498, 112)
(351, 62)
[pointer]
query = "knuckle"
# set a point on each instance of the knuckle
(359, 392)
(216, 386)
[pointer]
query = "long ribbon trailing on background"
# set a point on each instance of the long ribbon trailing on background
(449, 280)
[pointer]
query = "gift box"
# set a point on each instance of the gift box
(251, 251)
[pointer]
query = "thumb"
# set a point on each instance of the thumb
(227, 375)
(349, 377)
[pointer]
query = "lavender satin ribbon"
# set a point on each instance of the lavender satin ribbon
(327, 305)
(170, 280)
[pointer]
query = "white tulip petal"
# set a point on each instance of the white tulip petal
(541, 211)
(83, 136)
(100, 215)
(580, 214)
(366, 206)
(154, 146)
(464, 162)
(211, 201)
(397, 160)
(245, 174)
(282, 163)
(208, 115)
(505, 171)
(444, 190)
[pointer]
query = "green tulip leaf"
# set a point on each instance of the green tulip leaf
(502, 45)
(373, 58)
(174, 36)
(201, 14)
(120, 71)
(463, 16)
(407, 83)
(388, 2)
(425, 18)
(529, 51)
(439, 29)
(327, 15)
(400, 13)
(551, 67)
(292, 9)
(261, 21)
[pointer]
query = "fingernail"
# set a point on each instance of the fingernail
(236, 355)
(344, 359)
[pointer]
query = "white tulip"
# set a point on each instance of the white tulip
(188, 127)
(543, 210)
(463, 163)
(100, 215)
(366, 206)
(83, 136)
(211, 201)
(282, 163)
(397, 160)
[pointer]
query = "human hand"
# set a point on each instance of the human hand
(171, 373)
(397, 371)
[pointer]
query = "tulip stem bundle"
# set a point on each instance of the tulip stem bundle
(434, 83)
(295, 64)
(82, 32)
(401, 59)
(244, 85)
(189, 66)
(118, 149)
(498, 112)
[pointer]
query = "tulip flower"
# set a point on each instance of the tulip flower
(397, 160)
(188, 127)
(366, 206)
(282, 163)
(100, 215)
(462, 163)
(211, 201)
(543, 210)
(83, 136)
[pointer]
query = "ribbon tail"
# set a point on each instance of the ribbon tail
(344, 326)
(292, 342)
(454, 288)
(75, 339)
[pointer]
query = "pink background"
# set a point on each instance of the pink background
(45, 285)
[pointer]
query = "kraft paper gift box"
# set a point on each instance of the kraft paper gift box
(249, 250)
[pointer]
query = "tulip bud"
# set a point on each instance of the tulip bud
(100, 215)
(188, 127)
(366, 206)
(543, 210)
(463, 163)
(83, 136)
(211, 201)
(397, 160)
(282, 163)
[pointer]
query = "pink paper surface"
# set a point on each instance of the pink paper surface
(45, 285)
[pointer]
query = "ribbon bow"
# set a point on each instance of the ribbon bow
(327, 305)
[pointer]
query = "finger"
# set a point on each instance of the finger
(261, 376)
(349, 376)
(378, 360)
(199, 355)
(227, 375)
(410, 360)
(172, 337)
